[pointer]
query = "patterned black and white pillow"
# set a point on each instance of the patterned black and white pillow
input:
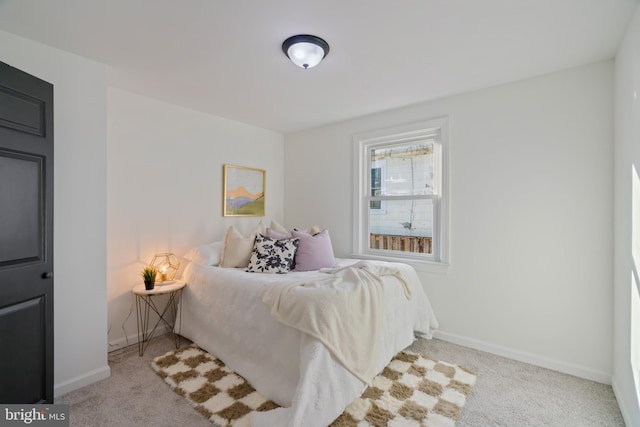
(272, 255)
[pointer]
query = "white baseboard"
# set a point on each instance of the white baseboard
(104, 372)
(622, 403)
(533, 359)
(132, 339)
(82, 381)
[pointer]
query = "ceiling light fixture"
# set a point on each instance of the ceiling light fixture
(304, 50)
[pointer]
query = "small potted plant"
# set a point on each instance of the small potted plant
(149, 277)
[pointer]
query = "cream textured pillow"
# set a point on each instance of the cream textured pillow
(275, 226)
(237, 248)
(277, 231)
(315, 229)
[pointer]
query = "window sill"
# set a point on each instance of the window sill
(421, 266)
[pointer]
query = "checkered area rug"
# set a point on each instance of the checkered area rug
(412, 390)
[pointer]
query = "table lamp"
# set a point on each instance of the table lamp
(166, 264)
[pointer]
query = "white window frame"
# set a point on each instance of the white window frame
(434, 129)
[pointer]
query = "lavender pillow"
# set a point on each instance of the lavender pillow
(314, 252)
(277, 235)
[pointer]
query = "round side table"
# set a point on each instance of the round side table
(145, 304)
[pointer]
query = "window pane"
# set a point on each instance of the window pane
(405, 226)
(376, 187)
(408, 169)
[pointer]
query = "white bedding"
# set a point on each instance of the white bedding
(223, 313)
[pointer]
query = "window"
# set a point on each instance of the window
(401, 184)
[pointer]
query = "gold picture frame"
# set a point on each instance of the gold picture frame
(243, 191)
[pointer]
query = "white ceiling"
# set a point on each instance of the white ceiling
(224, 57)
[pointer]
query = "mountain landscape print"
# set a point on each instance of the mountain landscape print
(239, 197)
(243, 191)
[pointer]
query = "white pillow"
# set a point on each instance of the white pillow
(207, 254)
(237, 248)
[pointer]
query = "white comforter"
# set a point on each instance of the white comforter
(344, 311)
(222, 312)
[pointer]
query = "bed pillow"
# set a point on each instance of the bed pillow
(237, 248)
(275, 226)
(314, 251)
(207, 254)
(277, 231)
(272, 255)
(315, 229)
(277, 235)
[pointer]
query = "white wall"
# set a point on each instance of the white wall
(626, 362)
(80, 305)
(164, 180)
(531, 214)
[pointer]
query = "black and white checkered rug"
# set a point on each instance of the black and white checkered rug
(412, 390)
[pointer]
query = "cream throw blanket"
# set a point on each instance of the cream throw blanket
(343, 311)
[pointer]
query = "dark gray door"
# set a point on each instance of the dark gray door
(26, 238)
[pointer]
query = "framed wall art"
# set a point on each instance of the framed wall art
(244, 191)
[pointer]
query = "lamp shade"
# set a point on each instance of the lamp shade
(305, 50)
(166, 264)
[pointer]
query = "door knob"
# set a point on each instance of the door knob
(47, 275)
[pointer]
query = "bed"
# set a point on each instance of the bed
(225, 313)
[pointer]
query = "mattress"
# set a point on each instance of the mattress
(223, 313)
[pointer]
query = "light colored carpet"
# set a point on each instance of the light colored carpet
(507, 393)
(514, 394)
(411, 390)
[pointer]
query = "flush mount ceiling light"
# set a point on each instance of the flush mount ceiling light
(304, 50)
